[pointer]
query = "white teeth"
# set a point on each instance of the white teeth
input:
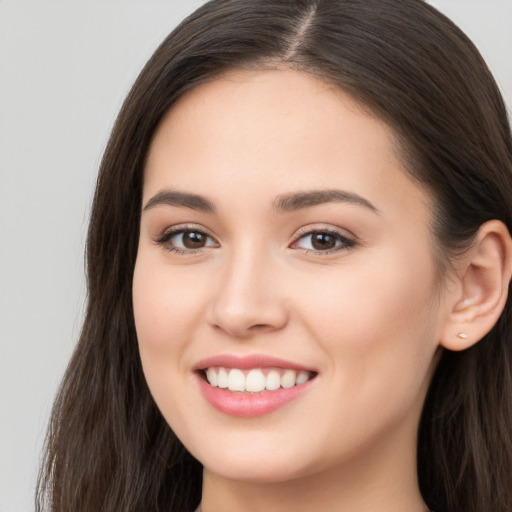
(236, 380)
(211, 375)
(288, 379)
(273, 380)
(222, 378)
(255, 380)
(302, 377)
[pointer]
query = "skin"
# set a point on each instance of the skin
(367, 317)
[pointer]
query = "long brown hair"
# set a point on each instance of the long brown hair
(108, 447)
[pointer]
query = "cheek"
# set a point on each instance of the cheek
(378, 327)
(167, 309)
(166, 304)
(367, 305)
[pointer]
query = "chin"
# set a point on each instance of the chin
(258, 471)
(258, 459)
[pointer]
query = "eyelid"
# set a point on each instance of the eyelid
(327, 228)
(347, 241)
(164, 238)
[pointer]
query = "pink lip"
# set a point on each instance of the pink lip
(247, 362)
(248, 405)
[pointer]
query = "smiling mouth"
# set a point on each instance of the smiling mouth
(255, 380)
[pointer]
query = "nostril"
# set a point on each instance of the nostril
(259, 327)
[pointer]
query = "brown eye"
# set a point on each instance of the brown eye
(323, 241)
(183, 240)
(193, 239)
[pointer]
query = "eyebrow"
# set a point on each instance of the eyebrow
(297, 201)
(184, 199)
(283, 204)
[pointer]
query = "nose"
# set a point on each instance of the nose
(248, 299)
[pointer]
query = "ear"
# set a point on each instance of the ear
(483, 278)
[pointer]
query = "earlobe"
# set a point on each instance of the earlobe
(484, 277)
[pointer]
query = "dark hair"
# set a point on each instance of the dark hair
(108, 447)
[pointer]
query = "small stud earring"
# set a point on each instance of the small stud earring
(462, 336)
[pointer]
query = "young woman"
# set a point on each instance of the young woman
(298, 262)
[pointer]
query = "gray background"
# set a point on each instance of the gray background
(65, 67)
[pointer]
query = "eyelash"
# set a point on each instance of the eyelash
(345, 243)
(165, 238)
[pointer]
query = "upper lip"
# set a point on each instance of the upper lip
(248, 362)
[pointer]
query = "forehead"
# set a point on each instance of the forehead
(267, 132)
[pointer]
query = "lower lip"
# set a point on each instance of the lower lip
(249, 405)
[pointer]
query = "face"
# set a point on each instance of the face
(285, 254)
